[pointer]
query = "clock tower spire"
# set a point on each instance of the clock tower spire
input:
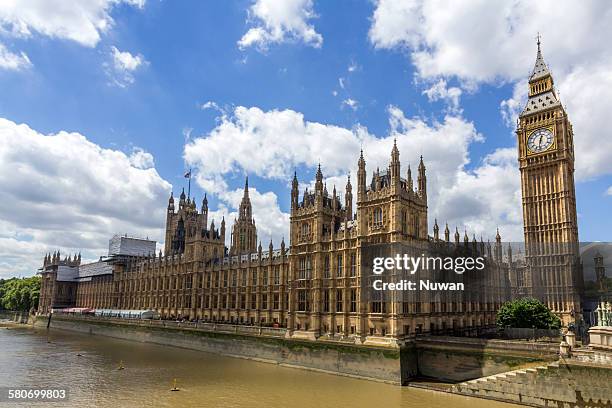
(546, 161)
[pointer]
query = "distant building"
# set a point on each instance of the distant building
(69, 283)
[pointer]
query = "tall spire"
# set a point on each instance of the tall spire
(319, 181)
(421, 178)
(294, 191)
(540, 68)
(245, 204)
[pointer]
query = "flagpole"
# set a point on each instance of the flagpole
(189, 185)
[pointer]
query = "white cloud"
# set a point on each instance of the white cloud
(141, 159)
(490, 42)
(352, 67)
(12, 61)
(72, 195)
(81, 21)
(210, 105)
(440, 91)
(351, 103)
(609, 192)
(445, 146)
(122, 67)
(280, 21)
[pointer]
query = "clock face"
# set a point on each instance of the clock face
(540, 140)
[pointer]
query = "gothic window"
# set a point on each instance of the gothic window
(404, 222)
(305, 268)
(353, 300)
(326, 301)
(302, 303)
(416, 225)
(378, 216)
(339, 266)
(276, 275)
(339, 300)
(353, 264)
(326, 266)
(264, 301)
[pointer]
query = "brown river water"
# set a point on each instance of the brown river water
(35, 358)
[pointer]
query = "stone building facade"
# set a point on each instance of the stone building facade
(319, 285)
(316, 287)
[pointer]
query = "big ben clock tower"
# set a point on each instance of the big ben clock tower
(546, 162)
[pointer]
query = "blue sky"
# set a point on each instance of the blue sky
(152, 88)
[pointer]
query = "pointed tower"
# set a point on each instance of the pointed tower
(550, 224)
(244, 232)
(422, 179)
(348, 199)
(394, 165)
(294, 191)
(409, 178)
(436, 230)
(446, 233)
(205, 211)
(319, 182)
(361, 178)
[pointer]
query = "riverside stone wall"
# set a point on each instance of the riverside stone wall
(375, 363)
(443, 358)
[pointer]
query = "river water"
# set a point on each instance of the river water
(34, 358)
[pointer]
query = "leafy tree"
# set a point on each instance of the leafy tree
(20, 294)
(527, 313)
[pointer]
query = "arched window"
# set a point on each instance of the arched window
(378, 216)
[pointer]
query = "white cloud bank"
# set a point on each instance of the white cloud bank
(83, 22)
(277, 22)
(61, 191)
(462, 197)
(494, 43)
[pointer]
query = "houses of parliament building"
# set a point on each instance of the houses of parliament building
(317, 286)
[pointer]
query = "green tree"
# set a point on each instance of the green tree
(20, 294)
(527, 313)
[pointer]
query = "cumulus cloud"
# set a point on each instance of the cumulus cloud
(141, 159)
(11, 61)
(73, 195)
(488, 42)
(440, 91)
(444, 145)
(609, 192)
(277, 22)
(122, 67)
(81, 21)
